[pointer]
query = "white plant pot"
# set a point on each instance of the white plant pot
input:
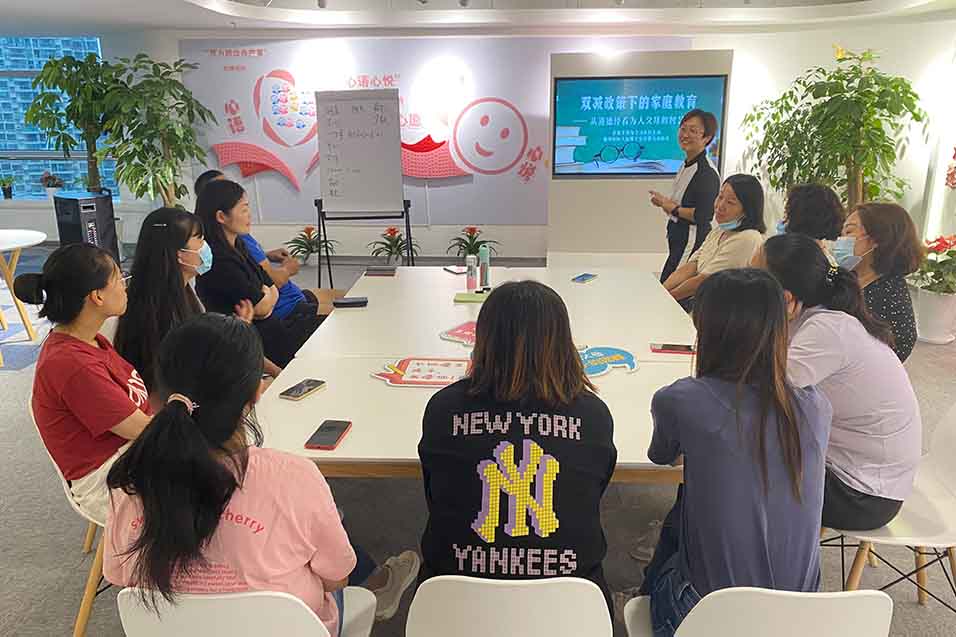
(50, 192)
(935, 317)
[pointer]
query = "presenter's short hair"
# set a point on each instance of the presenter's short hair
(709, 120)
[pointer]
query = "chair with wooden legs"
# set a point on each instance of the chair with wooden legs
(96, 568)
(926, 524)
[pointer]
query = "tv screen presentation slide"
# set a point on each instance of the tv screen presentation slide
(628, 125)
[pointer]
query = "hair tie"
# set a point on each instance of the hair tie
(190, 405)
(832, 272)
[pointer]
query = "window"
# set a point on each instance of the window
(25, 152)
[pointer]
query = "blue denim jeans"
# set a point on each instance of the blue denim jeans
(672, 597)
(339, 597)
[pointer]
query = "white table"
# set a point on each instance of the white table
(14, 241)
(406, 313)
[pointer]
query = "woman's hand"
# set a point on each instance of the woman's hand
(244, 311)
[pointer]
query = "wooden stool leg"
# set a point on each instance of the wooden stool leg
(856, 571)
(921, 576)
(90, 538)
(952, 561)
(89, 593)
(871, 560)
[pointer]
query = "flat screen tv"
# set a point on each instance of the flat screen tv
(627, 126)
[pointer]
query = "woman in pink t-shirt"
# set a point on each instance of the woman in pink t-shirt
(197, 507)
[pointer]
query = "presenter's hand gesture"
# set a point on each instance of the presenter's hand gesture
(657, 198)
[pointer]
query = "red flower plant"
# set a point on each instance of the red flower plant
(941, 244)
(391, 232)
(472, 231)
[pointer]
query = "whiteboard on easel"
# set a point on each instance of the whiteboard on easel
(360, 151)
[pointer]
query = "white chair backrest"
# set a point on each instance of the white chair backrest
(109, 327)
(253, 614)
(59, 474)
(942, 451)
(457, 606)
(757, 612)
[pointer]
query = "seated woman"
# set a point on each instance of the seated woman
(235, 276)
(814, 210)
(87, 401)
(281, 267)
(738, 212)
(880, 240)
(170, 253)
(753, 447)
(232, 517)
(526, 411)
(835, 344)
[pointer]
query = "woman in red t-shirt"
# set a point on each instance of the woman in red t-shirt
(87, 401)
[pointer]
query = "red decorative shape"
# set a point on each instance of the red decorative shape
(432, 164)
(312, 163)
(248, 156)
(424, 145)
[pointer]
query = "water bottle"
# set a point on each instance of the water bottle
(484, 262)
(471, 277)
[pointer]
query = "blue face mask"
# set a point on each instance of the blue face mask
(205, 259)
(731, 225)
(781, 227)
(843, 249)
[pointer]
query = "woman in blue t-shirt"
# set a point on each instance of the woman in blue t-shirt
(753, 448)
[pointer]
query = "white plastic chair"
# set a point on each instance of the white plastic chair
(758, 612)
(927, 521)
(96, 568)
(253, 614)
(458, 606)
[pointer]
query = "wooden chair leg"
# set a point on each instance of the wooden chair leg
(921, 577)
(89, 593)
(90, 538)
(871, 560)
(952, 561)
(856, 571)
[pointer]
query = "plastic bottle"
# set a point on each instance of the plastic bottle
(484, 266)
(471, 277)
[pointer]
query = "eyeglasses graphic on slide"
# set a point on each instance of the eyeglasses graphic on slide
(610, 154)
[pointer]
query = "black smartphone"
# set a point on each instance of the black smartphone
(302, 389)
(671, 348)
(329, 434)
(351, 301)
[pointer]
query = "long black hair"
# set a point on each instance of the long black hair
(750, 195)
(159, 298)
(69, 275)
(185, 467)
(215, 196)
(202, 180)
(741, 321)
(798, 262)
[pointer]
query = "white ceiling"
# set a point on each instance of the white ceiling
(101, 16)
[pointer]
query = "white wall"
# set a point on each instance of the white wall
(615, 215)
(764, 64)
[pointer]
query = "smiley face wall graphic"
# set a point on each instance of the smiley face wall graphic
(490, 136)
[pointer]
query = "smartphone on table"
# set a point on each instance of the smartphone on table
(329, 434)
(351, 301)
(672, 348)
(585, 277)
(302, 389)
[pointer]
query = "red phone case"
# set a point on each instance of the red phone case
(334, 446)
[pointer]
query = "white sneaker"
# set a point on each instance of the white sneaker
(621, 598)
(402, 570)
(647, 543)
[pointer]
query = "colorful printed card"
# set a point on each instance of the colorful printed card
(464, 334)
(600, 360)
(424, 372)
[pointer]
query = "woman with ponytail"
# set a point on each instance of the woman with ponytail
(87, 400)
(835, 344)
(752, 445)
(198, 507)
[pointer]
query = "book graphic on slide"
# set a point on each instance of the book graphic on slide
(417, 371)
(566, 139)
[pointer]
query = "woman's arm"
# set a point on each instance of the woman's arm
(132, 426)
(680, 275)
(263, 309)
(688, 288)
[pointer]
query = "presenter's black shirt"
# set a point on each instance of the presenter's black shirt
(695, 186)
(514, 489)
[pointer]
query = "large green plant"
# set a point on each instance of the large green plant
(843, 127)
(73, 95)
(154, 134)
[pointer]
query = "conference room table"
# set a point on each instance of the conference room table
(405, 316)
(13, 242)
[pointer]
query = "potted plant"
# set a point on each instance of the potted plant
(72, 96)
(51, 182)
(392, 245)
(306, 243)
(936, 292)
(843, 127)
(155, 135)
(6, 184)
(468, 242)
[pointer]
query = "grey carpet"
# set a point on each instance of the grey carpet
(44, 570)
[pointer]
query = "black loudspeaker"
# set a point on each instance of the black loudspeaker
(87, 217)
